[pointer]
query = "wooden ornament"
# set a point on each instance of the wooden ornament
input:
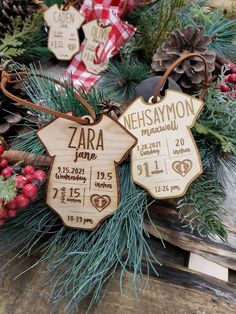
(96, 36)
(165, 160)
(63, 38)
(83, 187)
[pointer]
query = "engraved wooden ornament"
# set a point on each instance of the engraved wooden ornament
(63, 38)
(165, 160)
(96, 36)
(83, 187)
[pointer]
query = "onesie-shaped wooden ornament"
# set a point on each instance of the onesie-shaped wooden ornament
(96, 36)
(63, 38)
(83, 186)
(165, 160)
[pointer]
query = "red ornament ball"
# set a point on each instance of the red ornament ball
(232, 78)
(2, 149)
(7, 172)
(30, 190)
(21, 181)
(40, 175)
(22, 201)
(3, 163)
(29, 170)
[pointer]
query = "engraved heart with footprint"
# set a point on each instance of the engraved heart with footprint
(182, 167)
(100, 202)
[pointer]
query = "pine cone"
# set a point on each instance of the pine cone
(190, 73)
(10, 9)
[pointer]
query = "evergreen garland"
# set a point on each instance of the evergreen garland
(27, 42)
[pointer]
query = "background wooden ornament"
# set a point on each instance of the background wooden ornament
(96, 36)
(63, 38)
(166, 159)
(83, 187)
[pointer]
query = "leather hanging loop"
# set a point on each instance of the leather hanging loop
(171, 68)
(6, 80)
(124, 8)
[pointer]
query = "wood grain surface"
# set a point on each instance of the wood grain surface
(176, 291)
(165, 218)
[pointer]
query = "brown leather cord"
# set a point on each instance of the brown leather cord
(171, 68)
(6, 80)
(123, 10)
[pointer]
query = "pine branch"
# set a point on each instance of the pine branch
(7, 189)
(27, 41)
(221, 29)
(153, 27)
(218, 120)
(121, 78)
(201, 209)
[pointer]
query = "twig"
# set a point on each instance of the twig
(15, 156)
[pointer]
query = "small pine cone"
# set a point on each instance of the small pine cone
(10, 9)
(190, 73)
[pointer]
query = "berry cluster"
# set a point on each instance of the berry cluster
(28, 181)
(228, 83)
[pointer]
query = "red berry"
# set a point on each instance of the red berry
(3, 163)
(3, 213)
(22, 201)
(7, 172)
(226, 78)
(224, 88)
(21, 181)
(40, 175)
(12, 213)
(233, 70)
(2, 149)
(29, 170)
(11, 204)
(232, 78)
(229, 66)
(234, 86)
(2, 221)
(34, 198)
(30, 190)
(29, 177)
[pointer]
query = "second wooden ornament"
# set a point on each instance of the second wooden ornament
(165, 160)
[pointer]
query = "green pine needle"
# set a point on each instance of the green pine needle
(154, 23)
(221, 29)
(27, 42)
(121, 78)
(201, 209)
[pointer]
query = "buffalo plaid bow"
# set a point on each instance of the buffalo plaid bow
(120, 32)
